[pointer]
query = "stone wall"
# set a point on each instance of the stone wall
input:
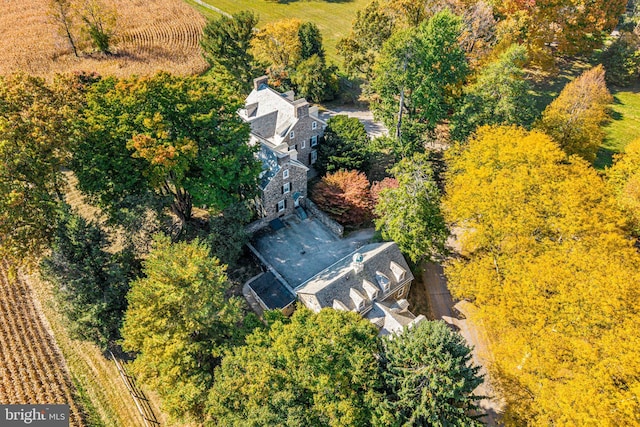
(324, 218)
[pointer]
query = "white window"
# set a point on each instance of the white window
(314, 125)
(400, 293)
(293, 147)
(292, 135)
(303, 144)
(314, 140)
(281, 205)
(285, 173)
(313, 156)
(286, 188)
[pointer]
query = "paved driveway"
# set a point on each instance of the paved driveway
(442, 307)
(303, 248)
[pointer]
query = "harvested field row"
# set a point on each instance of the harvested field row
(150, 36)
(32, 369)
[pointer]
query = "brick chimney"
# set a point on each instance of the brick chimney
(262, 80)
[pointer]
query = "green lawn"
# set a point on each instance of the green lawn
(624, 126)
(332, 17)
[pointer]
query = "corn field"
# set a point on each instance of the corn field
(32, 369)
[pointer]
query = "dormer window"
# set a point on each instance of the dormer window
(357, 298)
(383, 281)
(370, 289)
(292, 135)
(398, 272)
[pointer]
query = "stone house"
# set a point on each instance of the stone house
(283, 183)
(281, 122)
(373, 281)
(288, 132)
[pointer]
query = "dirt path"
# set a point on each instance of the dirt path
(442, 306)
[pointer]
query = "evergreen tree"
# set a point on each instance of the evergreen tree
(429, 377)
(91, 283)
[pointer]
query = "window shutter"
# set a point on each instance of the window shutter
(285, 203)
(282, 189)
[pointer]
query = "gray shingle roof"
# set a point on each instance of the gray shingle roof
(336, 281)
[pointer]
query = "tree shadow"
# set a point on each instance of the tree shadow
(604, 158)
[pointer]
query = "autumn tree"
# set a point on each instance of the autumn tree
(575, 118)
(91, 284)
(36, 125)
(624, 178)
(547, 263)
(345, 196)
(318, 370)
(226, 43)
(569, 27)
(500, 95)
(410, 214)
(175, 138)
(278, 43)
(378, 186)
(430, 377)
(180, 323)
(345, 146)
(416, 76)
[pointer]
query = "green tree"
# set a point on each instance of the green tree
(91, 283)
(621, 59)
(179, 323)
(100, 23)
(318, 370)
(310, 41)
(345, 146)
(177, 138)
(315, 80)
(410, 214)
(417, 74)
(430, 377)
(226, 43)
(227, 235)
(36, 124)
(500, 95)
(372, 27)
(575, 118)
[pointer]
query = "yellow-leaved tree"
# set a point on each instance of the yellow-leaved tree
(575, 118)
(624, 178)
(278, 44)
(555, 280)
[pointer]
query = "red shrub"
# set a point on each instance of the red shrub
(345, 197)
